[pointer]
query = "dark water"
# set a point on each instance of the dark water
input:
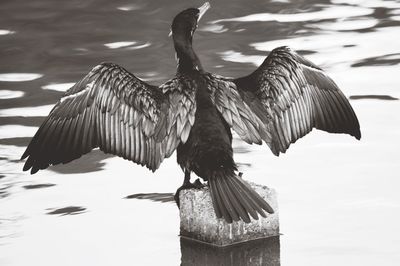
(339, 200)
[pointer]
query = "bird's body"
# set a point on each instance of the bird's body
(194, 113)
(209, 145)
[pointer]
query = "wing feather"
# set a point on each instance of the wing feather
(283, 100)
(112, 109)
(234, 110)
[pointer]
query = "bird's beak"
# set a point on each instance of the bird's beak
(203, 9)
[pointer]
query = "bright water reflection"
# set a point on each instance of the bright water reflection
(339, 199)
(260, 252)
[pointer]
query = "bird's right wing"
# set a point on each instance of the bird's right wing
(112, 109)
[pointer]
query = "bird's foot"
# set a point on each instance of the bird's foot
(196, 185)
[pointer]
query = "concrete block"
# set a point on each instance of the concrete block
(199, 222)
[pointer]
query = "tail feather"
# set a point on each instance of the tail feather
(245, 200)
(240, 211)
(233, 199)
(223, 191)
(259, 200)
(250, 198)
(215, 200)
(219, 202)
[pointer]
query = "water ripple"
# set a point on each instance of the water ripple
(42, 110)
(331, 12)
(157, 197)
(16, 131)
(349, 24)
(127, 44)
(373, 97)
(397, 18)
(215, 28)
(383, 60)
(71, 210)
(7, 94)
(130, 7)
(116, 45)
(369, 3)
(6, 32)
(329, 47)
(237, 57)
(17, 77)
(58, 86)
(37, 186)
(141, 46)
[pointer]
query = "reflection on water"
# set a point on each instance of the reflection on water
(374, 97)
(9, 131)
(388, 59)
(115, 45)
(71, 210)
(127, 44)
(7, 94)
(36, 186)
(5, 32)
(42, 110)
(263, 252)
(89, 163)
(18, 77)
(157, 197)
(329, 12)
(58, 87)
(338, 197)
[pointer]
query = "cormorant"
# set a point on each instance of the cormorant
(193, 113)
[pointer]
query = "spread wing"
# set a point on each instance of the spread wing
(112, 109)
(289, 96)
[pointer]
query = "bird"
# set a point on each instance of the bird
(194, 113)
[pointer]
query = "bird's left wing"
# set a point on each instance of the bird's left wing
(112, 109)
(283, 100)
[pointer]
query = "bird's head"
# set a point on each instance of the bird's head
(185, 23)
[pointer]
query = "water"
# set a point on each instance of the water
(338, 198)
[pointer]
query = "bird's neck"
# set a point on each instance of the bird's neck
(186, 57)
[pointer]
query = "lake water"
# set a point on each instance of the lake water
(339, 199)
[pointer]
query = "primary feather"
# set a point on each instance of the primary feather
(112, 109)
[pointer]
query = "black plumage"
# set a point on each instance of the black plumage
(193, 113)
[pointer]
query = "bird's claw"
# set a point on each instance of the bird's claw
(196, 185)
